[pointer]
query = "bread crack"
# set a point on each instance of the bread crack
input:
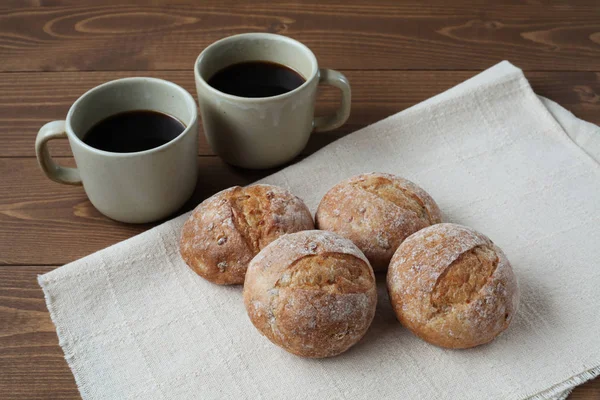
(330, 272)
(248, 218)
(391, 192)
(464, 278)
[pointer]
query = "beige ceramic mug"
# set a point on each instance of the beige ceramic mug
(130, 187)
(268, 131)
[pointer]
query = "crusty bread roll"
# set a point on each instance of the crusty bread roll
(312, 293)
(228, 229)
(377, 212)
(452, 287)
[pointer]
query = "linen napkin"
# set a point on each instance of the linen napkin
(135, 323)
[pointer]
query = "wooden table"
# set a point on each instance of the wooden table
(395, 54)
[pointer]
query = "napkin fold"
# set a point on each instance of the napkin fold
(135, 323)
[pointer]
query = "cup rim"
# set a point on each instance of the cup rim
(188, 98)
(256, 35)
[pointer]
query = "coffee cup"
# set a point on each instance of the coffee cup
(263, 132)
(133, 187)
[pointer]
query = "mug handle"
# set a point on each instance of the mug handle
(66, 175)
(337, 79)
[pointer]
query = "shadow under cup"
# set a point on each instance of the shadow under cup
(140, 186)
(257, 132)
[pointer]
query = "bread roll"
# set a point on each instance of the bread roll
(452, 287)
(376, 212)
(228, 229)
(312, 293)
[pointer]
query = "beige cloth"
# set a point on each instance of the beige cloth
(136, 323)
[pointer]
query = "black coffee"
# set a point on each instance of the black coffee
(133, 131)
(256, 79)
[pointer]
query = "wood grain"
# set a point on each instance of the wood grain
(61, 224)
(31, 99)
(32, 365)
(408, 35)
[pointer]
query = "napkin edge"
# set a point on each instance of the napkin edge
(583, 137)
(562, 389)
(65, 345)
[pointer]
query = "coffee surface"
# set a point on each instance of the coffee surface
(256, 79)
(133, 131)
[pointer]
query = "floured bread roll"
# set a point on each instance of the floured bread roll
(228, 229)
(376, 212)
(452, 287)
(312, 293)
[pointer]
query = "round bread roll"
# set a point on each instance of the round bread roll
(312, 293)
(452, 287)
(376, 212)
(228, 229)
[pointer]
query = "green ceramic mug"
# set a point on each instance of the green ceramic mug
(268, 131)
(134, 187)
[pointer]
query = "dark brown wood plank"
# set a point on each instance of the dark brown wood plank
(42, 222)
(587, 391)
(32, 365)
(29, 100)
(439, 35)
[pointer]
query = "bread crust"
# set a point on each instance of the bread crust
(451, 286)
(227, 230)
(377, 212)
(312, 293)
